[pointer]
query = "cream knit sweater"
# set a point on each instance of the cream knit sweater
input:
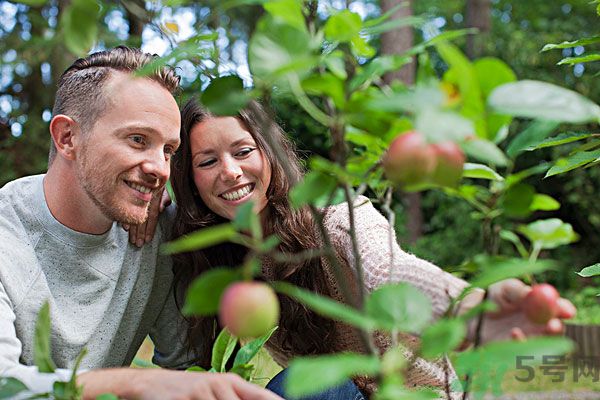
(373, 244)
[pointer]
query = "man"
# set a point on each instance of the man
(112, 137)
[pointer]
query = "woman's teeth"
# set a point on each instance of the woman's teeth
(237, 194)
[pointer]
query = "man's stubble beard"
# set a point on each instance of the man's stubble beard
(101, 189)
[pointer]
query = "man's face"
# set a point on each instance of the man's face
(124, 159)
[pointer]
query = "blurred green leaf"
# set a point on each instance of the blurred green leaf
(543, 202)
(516, 201)
(343, 26)
(10, 387)
(536, 99)
(495, 269)
(222, 350)
(376, 68)
(205, 292)
(484, 150)
(574, 43)
(575, 160)
(399, 307)
(480, 171)
(562, 138)
(577, 60)
(107, 396)
(32, 3)
(311, 375)
(326, 306)
(79, 24)
(549, 233)
(290, 11)
(326, 84)
(248, 351)
(315, 185)
(535, 133)
(225, 95)
(243, 370)
(396, 23)
(514, 239)
(201, 239)
(195, 368)
(41, 344)
(592, 270)
(247, 220)
(442, 126)
(513, 179)
(442, 337)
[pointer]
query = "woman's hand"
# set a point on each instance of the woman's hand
(509, 321)
(143, 233)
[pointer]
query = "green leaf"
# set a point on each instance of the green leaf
(549, 233)
(486, 151)
(247, 220)
(577, 60)
(205, 292)
(314, 186)
(10, 387)
(535, 132)
(222, 350)
(442, 337)
(343, 26)
(543, 202)
(491, 73)
(516, 201)
(560, 139)
(243, 370)
(225, 95)
(514, 239)
(575, 160)
(526, 173)
(107, 396)
(393, 24)
(289, 11)
(79, 25)
(311, 375)
(376, 68)
(400, 307)
(277, 49)
(574, 43)
(592, 270)
(494, 269)
(441, 126)
(326, 84)
(201, 239)
(488, 364)
(326, 307)
(480, 171)
(41, 345)
(248, 351)
(32, 3)
(535, 99)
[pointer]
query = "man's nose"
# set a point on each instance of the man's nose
(157, 166)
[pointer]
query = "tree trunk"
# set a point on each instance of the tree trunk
(478, 15)
(397, 42)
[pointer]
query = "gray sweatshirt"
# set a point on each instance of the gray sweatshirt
(104, 294)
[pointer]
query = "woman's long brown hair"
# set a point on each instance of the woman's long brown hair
(301, 331)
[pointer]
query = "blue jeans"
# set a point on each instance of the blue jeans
(345, 391)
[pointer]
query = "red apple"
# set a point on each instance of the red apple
(249, 309)
(450, 161)
(409, 159)
(541, 303)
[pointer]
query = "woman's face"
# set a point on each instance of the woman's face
(229, 169)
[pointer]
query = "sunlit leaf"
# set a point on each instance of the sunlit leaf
(543, 202)
(290, 11)
(200, 239)
(560, 139)
(441, 126)
(549, 233)
(326, 306)
(225, 95)
(79, 24)
(442, 337)
(574, 43)
(377, 67)
(343, 26)
(592, 270)
(311, 375)
(249, 350)
(41, 346)
(485, 151)
(399, 307)
(205, 292)
(326, 84)
(575, 160)
(480, 171)
(582, 59)
(222, 350)
(536, 99)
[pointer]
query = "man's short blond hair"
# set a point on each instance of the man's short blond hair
(80, 94)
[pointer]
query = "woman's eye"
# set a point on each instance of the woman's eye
(245, 151)
(206, 163)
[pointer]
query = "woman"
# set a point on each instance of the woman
(226, 161)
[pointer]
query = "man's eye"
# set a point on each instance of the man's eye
(138, 139)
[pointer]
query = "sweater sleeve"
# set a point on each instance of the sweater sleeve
(10, 351)
(376, 256)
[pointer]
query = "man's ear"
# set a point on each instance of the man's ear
(64, 131)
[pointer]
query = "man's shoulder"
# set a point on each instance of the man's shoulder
(17, 203)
